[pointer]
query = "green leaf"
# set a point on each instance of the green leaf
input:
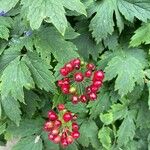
(131, 73)
(16, 76)
(4, 32)
(143, 122)
(84, 42)
(48, 41)
(29, 143)
(74, 5)
(78, 108)
(148, 84)
(102, 24)
(141, 36)
(104, 136)
(100, 105)
(48, 145)
(54, 10)
(40, 72)
(126, 131)
(7, 4)
(26, 128)
(88, 134)
(119, 111)
(2, 128)
(12, 109)
(106, 118)
(135, 8)
(8, 56)
(31, 100)
(5, 23)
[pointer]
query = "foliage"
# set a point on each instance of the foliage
(38, 37)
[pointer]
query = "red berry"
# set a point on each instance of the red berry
(57, 123)
(92, 96)
(64, 135)
(50, 137)
(90, 66)
(88, 73)
(94, 88)
(65, 83)
(65, 89)
(64, 72)
(69, 67)
(83, 98)
(52, 115)
(76, 62)
(55, 131)
(98, 75)
(75, 134)
(74, 99)
(75, 117)
(60, 83)
(64, 142)
(88, 90)
(61, 107)
(67, 79)
(69, 139)
(78, 77)
(56, 139)
(97, 83)
(75, 126)
(67, 116)
(48, 126)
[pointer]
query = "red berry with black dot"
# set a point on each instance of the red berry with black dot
(65, 89)
(97, 83)
(83, 98)
(60, 83)
(76, 62)
(67, 79)
(64, 71)
(69, 139)
(90, 66)
(75, 134)
(56, 139)
(94, 89)
(61, 107)
(74, 117)
(48, 125)
(75, 126)
(78, 77)
(88, 89)
(57, 123)
(69, 67)
(92, 96)
(52, 115)
(64, 142)
(98, 75)
(67, 116)
(88, 73)
(50, 137)
(55, 131)
(75, 99)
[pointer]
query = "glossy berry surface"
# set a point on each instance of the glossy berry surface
(61, 107)
(67, 116)
(63, 72)
(75, 134)
(78, 77)
(52, 115)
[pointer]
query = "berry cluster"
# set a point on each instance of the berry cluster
(62, 128)
(82, 81)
